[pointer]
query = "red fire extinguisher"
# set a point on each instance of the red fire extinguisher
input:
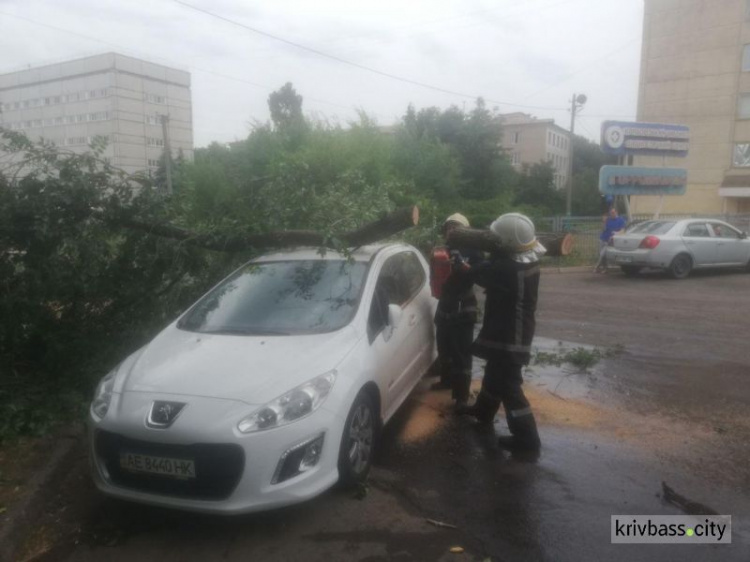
(440, 270)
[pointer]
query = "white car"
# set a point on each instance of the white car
(679, 246)
(272, 387)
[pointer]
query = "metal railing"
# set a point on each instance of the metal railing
(586, 231)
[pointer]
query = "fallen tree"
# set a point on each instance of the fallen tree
(388, 225)
(557, 244)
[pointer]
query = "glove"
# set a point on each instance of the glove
(456, 257)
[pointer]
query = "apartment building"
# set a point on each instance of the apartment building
(695, 71)
(529, 140)
(114, 96)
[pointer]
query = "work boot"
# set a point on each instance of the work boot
(484, 409)
(524, 435)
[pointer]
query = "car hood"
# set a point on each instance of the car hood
(253, 369)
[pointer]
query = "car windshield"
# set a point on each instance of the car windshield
(652, 227)
(281, 298)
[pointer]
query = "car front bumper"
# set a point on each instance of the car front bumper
(261, 454)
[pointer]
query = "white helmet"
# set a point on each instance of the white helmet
(516, 232)
(458, 218)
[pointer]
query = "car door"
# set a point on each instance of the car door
(732, 249)
(701, 244)
(392, 346)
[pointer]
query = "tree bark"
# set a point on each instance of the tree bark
(384, 227)
(556, 244)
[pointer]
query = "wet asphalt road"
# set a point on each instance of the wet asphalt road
(673, 407)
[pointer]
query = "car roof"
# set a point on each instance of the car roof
(363, 253)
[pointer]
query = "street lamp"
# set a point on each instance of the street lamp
(576, 103)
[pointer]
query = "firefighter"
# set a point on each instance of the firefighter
(511, 283)
(456, 313)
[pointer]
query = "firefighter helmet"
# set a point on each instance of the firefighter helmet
(457, 218)
(516, 232)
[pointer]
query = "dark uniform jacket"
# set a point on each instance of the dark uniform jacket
(509, 312)
(458, 304)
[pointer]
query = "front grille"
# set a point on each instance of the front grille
(218, 467)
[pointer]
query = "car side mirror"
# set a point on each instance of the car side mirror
(395, 313)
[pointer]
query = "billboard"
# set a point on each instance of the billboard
(655, 139)
(631, 180)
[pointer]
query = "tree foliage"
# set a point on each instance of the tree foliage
(80, 289)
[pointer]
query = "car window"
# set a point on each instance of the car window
(284, 297)
(697, 230)
(724, 231)
(394, 286)
(652, 227)
(413, 272)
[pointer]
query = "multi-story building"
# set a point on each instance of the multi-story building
(695, 71)
(114, 96)
(529, 140)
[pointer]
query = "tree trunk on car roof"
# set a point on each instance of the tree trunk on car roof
(557, 244)
(386, 226)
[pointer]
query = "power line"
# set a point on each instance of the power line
(589, 66)
(355, 64)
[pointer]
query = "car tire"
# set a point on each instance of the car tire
(630, 270)
(681, 266)
(358, 441)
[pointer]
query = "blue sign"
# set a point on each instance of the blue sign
(624, 137)
(631, 180)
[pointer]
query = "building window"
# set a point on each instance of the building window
(153, 163)
(741, 155)
(153, 98)
(516, 137)
(743, 106)
(152, 120)
(515, 159)
(746, 58)
(151, 141)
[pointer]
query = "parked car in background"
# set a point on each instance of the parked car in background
(272, 387)
(680, 246)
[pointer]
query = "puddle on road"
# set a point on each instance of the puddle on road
(565, 380)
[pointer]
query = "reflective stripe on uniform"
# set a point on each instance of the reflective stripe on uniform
(520, 413)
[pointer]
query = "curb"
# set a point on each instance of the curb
(572, 269)
(28, 508)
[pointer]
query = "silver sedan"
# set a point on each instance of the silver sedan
(679, 246)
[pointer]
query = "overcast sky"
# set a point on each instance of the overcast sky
(518, 52)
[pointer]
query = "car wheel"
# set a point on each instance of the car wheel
(681, 266)
(630, 270)
(358, 441)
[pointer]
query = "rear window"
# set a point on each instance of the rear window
(652, 227)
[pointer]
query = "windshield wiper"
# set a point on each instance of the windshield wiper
(247, 332)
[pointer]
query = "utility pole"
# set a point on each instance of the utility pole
(167, 152)
(576, 103)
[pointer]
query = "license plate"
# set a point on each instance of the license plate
(623, 259)
(182, 469)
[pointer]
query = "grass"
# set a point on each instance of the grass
(580, 357)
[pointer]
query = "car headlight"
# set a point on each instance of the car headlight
(103, 395)
(290, 407)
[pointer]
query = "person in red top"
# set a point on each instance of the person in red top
(455, 318)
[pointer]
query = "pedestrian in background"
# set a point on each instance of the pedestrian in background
(612, 225)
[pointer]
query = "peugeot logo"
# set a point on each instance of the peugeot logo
(163, 414)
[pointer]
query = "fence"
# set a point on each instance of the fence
(586, 231)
